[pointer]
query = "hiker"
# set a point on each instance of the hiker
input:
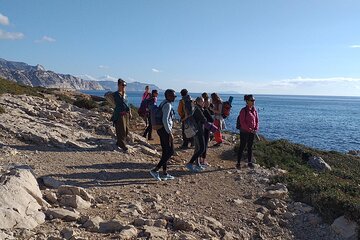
(166, 136)
(207, 113)
(146, 94)
(185, 111)
(151, 101)
(249, 125)
(199, 136)
(121, 115)
(218, 118)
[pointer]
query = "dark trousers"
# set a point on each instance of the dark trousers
(167, 146)
(122, 130)
(199, 147)
(148, 130)
(246, 139)
(186, 140)
(206, 138)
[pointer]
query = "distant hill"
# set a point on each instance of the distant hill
(37, 76)
(131, 86)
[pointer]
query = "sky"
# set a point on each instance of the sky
(293, 47)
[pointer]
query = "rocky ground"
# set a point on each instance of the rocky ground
(94, 191)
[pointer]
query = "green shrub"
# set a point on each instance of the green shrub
(2, 110)
(333, 193)
(7, 86)
(85, 103)
(65, 98)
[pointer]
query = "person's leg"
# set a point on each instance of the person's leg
(165, 146)
(196, 150)
(206, 139)
(185, 140)
(250, 142)
(243, 140)
(121, 132)
(150, 129)
(199, 148)
(217, 135)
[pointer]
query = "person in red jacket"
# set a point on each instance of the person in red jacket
(249, 125)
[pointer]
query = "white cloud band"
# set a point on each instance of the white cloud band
(10, 35)
(4, 20)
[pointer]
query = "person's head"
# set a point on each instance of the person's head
(199, 101)
(215, 98)
(154, 93)
(170, 95)
(205, 96)
(249, 99)
(184, 92)
(147, 89)
(121, 85)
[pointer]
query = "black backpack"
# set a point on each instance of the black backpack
(238, 123)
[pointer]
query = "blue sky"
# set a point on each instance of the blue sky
(262, 47)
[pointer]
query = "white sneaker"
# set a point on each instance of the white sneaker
(167, 177)
(155, 175)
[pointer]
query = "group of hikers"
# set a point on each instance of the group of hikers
(200, 120)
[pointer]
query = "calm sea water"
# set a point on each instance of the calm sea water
(328, 123)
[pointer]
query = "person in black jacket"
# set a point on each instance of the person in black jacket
(207, 113)
(199, 140)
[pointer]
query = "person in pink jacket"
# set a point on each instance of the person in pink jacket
(249, 125)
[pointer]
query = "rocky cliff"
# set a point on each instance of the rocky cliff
(38, 76)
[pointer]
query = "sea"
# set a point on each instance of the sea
(322, 122)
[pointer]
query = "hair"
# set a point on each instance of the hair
(215, 97)
(205, 96)
(120, 81)
(184, 92)
(146, 87)
(154, 91)
(198, 99)
(169, 92)
(248, 97)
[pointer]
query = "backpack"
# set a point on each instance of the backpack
(238, 123)
(226, 107)
(186, 109)
(156, 115)
(144, 110)
(109, 96)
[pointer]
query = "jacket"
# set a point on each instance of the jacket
(121, 106)
(249, 119)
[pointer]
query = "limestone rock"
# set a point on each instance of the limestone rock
(345, 228)
(63, 214)
(20, 200)
(111, 226)
(183, 224)
(74, 201)
(155, 233)
(51, 182)
(50, 197)
(278, 191)
(93, 224)
(129, 232)
(67, 233)
(72, 190)
(319, 164)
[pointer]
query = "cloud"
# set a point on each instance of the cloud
(4, 20)
(45, 39)
(103, 67)
(10, 35)
(87, 77)
(301, 81)
(354, 46)
(155, 70)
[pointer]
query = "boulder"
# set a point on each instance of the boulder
(278, 191)
(63, 214)
(93, 224)
(345, 228)
(319, 164)
(72, 190)
(183, 224)
(74, 201)
(20, 199)
(51, 182)
(155, 232)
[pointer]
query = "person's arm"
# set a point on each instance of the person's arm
(218, 109)
(166, 109)
(256, 121)
(199, 116)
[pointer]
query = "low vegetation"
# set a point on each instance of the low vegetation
(333, 193)
(2, 110)
(83, 102)
(7, 86)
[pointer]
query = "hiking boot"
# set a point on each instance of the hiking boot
(238, 166)
(251, 165)
(205, 164)
(167, 177)
(155, 175)
(190, 167)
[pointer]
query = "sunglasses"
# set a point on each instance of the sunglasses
(124, 85)
(252, 100)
